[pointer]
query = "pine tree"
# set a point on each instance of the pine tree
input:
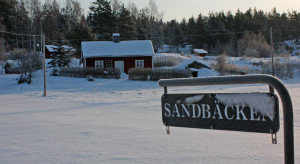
(101, 19)
(124, 24)
(61, 55)
(78, 33)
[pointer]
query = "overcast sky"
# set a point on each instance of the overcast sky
(178, 9)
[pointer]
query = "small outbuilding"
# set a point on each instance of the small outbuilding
(200, 52)
(118, 54)
(51, 49)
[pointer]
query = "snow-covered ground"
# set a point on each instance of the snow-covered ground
(119, 121)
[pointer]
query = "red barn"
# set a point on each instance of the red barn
(118, 54)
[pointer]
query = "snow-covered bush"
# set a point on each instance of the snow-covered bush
(158, 74)
(253, 45)
(168, 59)
(11, 68)
(165, 61)
(142, 74)
(25, 62)
(224, 68)
(283, 67)
(90, 78)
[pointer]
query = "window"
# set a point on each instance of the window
(139, 64)
(99, 64)
(109, 63)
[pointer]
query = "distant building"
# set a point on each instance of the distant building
(200, 52)
(50, 49)
(118, 54)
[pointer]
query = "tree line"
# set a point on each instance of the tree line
(218, 32)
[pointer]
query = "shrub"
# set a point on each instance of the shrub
(142, 74)
(90, 78)
(253, 45)
(11, 69)
(24, 62)
(157, 74)
(95, 72)
(282, 69)
(224, 68)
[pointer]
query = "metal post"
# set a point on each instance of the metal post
(288, 118)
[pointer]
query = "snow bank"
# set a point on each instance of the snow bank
(180, 57)
(193, 99)
(203, 72)
(260, 103)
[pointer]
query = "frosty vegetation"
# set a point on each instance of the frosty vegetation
(25, 63)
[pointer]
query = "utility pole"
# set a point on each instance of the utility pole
(271, 42)
(45, 90)
(271, 89)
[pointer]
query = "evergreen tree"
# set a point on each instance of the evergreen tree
(51, 19)
(124, 24)
(7, 13)
(173, 35)
(191, 31)
(61, 55)
(78, 33)
(22, 25)
(101, 19)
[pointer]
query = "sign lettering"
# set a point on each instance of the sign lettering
(252, 112)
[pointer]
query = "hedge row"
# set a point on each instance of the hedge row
(157, 74)
(80, 72)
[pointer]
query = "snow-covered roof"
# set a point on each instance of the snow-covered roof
(51, 48)
(200, 51)
(120, 49)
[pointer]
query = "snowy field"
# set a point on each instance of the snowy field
(119, 121)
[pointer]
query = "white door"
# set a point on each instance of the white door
(120, 65)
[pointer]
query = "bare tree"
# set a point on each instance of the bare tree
(34, 7)
(26, 62)
(72, 13)
(253, 45)
(115, 6)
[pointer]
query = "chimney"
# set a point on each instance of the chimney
(116, 37)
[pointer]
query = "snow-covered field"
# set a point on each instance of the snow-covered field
(119, 121)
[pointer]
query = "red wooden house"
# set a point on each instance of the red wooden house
(118, 54)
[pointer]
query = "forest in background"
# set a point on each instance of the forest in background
(234, 33)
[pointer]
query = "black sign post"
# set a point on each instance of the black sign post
(209, 110)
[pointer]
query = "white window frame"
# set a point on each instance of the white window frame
(139, 63)
(99, 64)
